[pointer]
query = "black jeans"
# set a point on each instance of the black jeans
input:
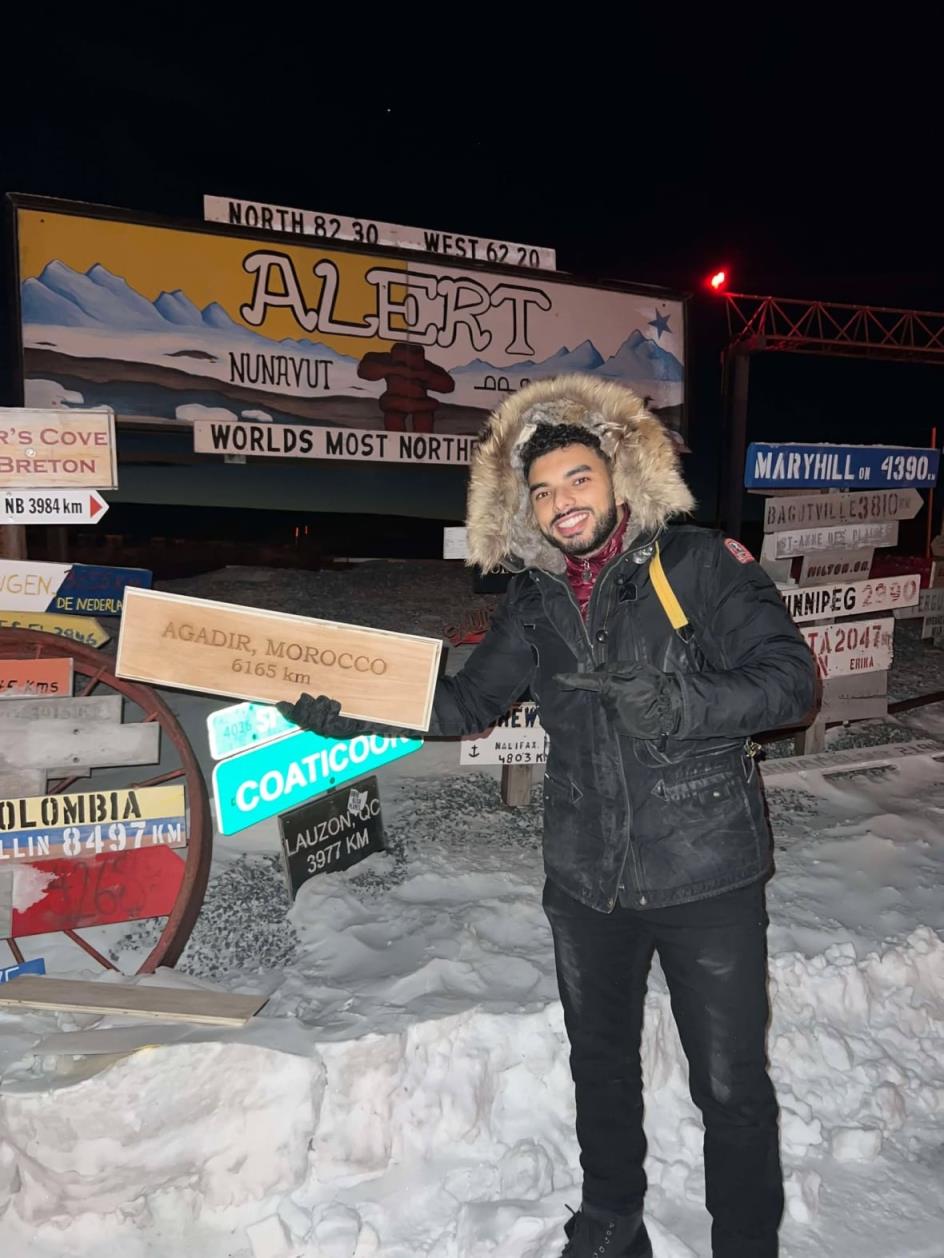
(714, 956)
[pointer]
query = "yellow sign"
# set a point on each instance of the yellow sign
(79, 628)
(57, 449)
(148, 317)
(86, 825)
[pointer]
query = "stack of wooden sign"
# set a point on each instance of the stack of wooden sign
(52, 465)
(267, 767)
(73, 859)
(819, 548)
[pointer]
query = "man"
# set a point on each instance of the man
(654, 653)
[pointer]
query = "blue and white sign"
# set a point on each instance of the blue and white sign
(245, 725)
(92, 590)
(25, 967)
(283, 774)
(789, 466)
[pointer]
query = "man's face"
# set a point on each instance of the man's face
(572, 498)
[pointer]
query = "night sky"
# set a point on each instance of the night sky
(643, 148)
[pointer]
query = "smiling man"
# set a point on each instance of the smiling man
(654, 652)
(574, 506)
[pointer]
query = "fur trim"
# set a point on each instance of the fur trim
(646, 470)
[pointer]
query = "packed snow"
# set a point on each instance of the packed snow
(405, 1091)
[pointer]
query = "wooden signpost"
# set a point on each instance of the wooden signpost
(835, 565)
(834, 535)
(91, 589)
(29, 587)
(26, 586)
(68, 894)
(35, 678)
(72, 451)
(126, 999)
(96, 708)
(82, 629)
(854, 697)
(516, 742)
(219, 648)
(66, 506)
(859, 646)
(851, 598)
(40, 743)
(792, 542)
(517, 739)
(82, 826)
(69, 860)
(57, 449)
(930, 603)
(829, 509)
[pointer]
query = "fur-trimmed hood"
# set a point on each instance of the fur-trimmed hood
(645, 462)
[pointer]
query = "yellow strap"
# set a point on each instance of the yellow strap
(670, 604)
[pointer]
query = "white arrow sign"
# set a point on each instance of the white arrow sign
(930, 603)
(52, 506)
(851, 598)
(812, 510)
(835, 537)
(455, 544)
(862, 646)
(518, 738)
(835, 565)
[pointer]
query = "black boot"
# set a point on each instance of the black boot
(593, 1234)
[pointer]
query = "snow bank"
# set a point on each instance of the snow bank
(453, 1137)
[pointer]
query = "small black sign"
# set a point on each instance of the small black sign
(332, 832)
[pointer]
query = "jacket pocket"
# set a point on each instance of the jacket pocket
(556, 790)
(530, 637)
(711, 797)
(699, 824)
(669, 752)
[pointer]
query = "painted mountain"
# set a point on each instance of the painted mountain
(98, 299)
(639, 360)
(92, 334)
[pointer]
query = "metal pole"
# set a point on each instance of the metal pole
(737, 442)
(12, 541)
(930, 520)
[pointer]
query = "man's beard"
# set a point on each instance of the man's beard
(579, 546)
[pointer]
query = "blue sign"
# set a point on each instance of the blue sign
(245, 725)
(91, 839)
(790, 466)
(281, 775)
(91, 590)
(25, 967)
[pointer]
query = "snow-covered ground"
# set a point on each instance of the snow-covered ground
(406, 1091)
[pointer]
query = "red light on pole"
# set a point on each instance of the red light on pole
(718, 281)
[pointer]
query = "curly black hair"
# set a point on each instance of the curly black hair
(548, 437)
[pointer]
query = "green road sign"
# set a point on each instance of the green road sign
(282, 774)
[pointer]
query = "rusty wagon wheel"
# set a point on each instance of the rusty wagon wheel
(92, 669)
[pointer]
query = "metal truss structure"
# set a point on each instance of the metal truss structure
(833, 328)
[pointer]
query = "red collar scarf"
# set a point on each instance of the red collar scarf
(583, 570)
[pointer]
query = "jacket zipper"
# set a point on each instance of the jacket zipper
(629, 849)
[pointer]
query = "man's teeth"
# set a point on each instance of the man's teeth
(572, 521)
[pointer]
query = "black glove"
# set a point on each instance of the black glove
(642, 700)
(323, 716)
